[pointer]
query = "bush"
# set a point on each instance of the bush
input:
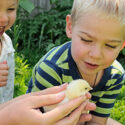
(118, 111)
(22, 75)
(34, 36)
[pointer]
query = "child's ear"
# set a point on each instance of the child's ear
(123, 45)
(68, 26)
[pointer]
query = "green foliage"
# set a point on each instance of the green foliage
(122, 93)
(16, 33)
(123, 51)
(33, 37)
(121, 57)
(62, 5)
(22, 75)
(118, 111)
(27, 5)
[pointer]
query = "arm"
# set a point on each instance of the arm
(45, 75)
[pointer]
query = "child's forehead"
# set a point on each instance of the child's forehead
(99, 17)
(7, 2)
(108, 27)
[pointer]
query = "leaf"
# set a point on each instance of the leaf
(27, 5)
(123, 51)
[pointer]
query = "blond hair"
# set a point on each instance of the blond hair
(114, 8)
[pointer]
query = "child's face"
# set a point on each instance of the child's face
(96, 42)
(7, 14)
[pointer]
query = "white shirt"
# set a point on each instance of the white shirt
(7, 54)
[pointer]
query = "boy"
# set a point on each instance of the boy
(27, 105)
(96, 28)
(7, 18)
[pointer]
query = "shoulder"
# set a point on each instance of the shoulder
(116, 73)
(7, 43)
(57, 55)
(6, 38)
(59, 52)
(117, 67)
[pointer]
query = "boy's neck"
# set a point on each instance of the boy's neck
(94, 79)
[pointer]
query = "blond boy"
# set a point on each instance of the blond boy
(96, 29)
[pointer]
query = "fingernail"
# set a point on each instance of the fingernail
(64, 85)
(60, 95)
(84, 97)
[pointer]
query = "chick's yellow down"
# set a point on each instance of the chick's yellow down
(75, 89)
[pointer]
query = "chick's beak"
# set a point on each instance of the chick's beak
(90, 88)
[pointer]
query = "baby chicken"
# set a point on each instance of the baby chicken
(75, 89)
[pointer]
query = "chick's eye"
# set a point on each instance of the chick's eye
(86, 88)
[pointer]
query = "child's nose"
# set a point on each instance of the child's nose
(96, 52)
(3, 19)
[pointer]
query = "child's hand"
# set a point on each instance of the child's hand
(3, 73)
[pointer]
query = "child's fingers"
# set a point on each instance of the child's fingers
(3, 84)
(3, 79)
(4, 67)
(3, 72)
(4, 62)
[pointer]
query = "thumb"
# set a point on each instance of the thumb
(45, 100)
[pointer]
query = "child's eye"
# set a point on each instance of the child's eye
(11, 9)
(110, 46)
(85, 40)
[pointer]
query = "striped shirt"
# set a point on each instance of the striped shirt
(58, 67)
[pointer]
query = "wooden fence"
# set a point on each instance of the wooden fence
(41, 5)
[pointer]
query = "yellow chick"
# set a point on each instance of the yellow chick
(75, 89)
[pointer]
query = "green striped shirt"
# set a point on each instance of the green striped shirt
(58, 67)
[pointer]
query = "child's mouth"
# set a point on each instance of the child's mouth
(1, 30)
(91, 66)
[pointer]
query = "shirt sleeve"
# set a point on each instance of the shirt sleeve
(47, 74)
